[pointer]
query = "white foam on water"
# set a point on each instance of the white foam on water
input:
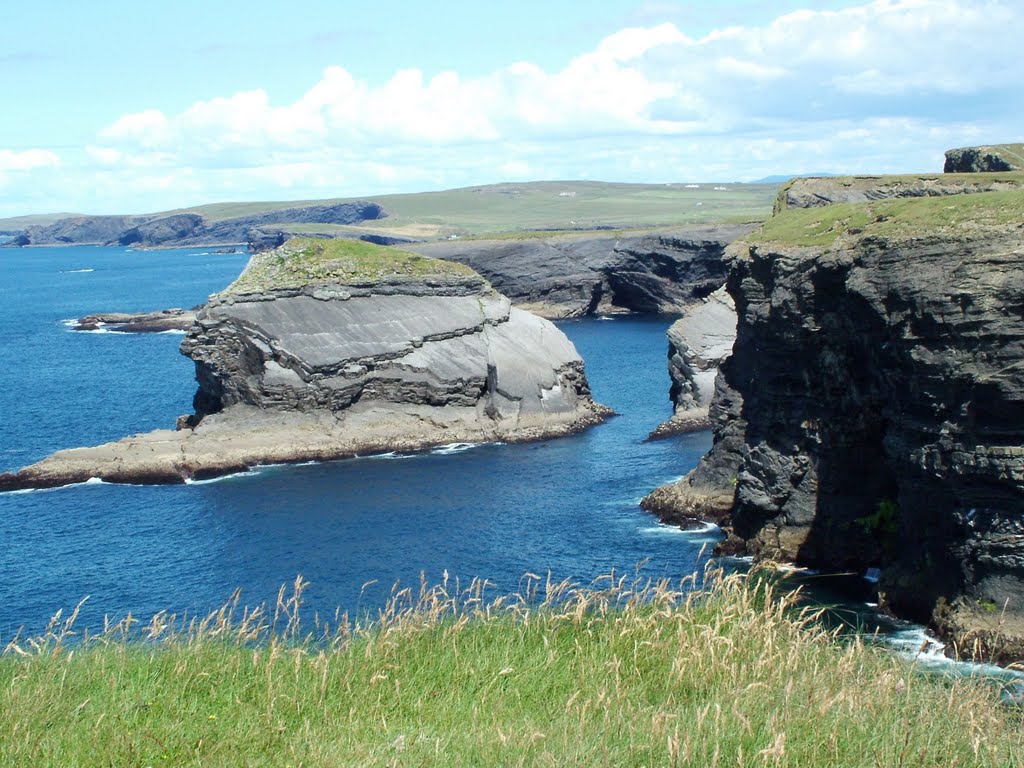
(247, 473)
(675, 530)
(75, 271)
(173, 332)
(450, 448)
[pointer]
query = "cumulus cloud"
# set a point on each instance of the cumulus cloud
(884, 85)
(27, 160)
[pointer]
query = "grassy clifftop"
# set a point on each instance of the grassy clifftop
(629, 674)
(898, 218)
(305, 261)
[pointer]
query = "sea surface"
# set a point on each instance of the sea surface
(353, 529)
(497, 512)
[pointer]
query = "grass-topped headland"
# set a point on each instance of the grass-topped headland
(307, 261)
(622, 673)
(897, 218)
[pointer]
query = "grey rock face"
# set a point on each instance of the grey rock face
(415, 356)
(1006, 157)
(817, 192)
(697, 344)
(882, 417)
(459, 344)
(573, 276)
(78, 230)
(187, 229)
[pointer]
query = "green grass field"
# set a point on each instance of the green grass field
(895, 218)
(619, 674)
(498, 208)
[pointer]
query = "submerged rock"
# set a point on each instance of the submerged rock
(326, 349)
(160, 321)
(872, 412)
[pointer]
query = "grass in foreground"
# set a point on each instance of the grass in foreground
(623, 675)
(304, 261)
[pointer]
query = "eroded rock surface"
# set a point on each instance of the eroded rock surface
(160, 321)
(994, 157)
(578, 275)
(872, 411)
(323, 350)
(697, 344)
(828, 190)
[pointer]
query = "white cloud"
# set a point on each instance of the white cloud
(885, 85)
(27, 160)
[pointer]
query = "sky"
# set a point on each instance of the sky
(127, 107)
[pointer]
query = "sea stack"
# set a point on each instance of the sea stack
(325, 349)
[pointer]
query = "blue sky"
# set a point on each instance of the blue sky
(127, 107)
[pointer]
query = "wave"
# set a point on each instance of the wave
(92, 481)
(253, 472)
(172, 331)
(74, 271)
(451, 448)
(675, 530)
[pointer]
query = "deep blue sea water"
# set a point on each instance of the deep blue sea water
(568, 506)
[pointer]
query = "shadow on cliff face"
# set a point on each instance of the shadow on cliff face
(881, 422)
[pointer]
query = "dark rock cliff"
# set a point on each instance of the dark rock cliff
(573, 275)
(189, 229)
(872, 411)
(998, 157)
(821, 191)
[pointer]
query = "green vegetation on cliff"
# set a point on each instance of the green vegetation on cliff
(308, 261)
(899, 218)
(625, 675)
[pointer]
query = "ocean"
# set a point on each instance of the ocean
(355, 530)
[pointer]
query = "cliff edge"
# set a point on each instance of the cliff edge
(323, 349)
(871, 414)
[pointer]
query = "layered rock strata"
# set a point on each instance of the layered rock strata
(828, 190)
(323, 350)
(160, 321)
(578, 275)
(697, 344)
(872, 411)
(994, 157)
(188, 229)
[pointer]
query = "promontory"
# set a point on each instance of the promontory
(325, 349)
(870, 417)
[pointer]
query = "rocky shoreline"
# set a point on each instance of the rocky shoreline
(323, 350)
(870, 414)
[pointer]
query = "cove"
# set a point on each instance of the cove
(353, 528)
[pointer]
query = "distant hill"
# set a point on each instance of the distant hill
(18, 223)
(782, 178)
(469, 211)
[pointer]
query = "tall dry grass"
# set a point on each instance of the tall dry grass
(718, 670)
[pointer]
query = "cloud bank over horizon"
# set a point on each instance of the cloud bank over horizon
(879, 87)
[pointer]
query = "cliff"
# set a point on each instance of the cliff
(598, 273)
(698, 342)
(872, 411)
(995, 157)
(821, 191)
(326, 349)
(188, 229)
